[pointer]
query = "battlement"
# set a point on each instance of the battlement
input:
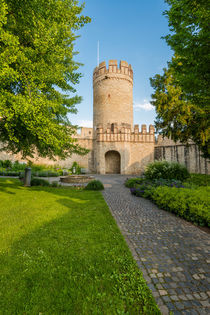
(124, 133)
(124, 69)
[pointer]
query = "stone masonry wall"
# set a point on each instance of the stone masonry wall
(136, 148)
(190, 156)
(113, 94)
(133, 156)
(85, 140)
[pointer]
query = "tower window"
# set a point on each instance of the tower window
(112, 127)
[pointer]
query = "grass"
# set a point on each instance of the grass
(61, 252)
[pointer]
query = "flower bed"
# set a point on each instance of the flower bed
(186, 200)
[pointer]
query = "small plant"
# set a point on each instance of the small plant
(131, 182)
(166, 170)
(55, 184)
(94, 185)
(39, 182)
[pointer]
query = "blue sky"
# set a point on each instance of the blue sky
(130, 31)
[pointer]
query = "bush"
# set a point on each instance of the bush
(18, 166)
(7, 164)
(45, 174)
(131, 182)
(9, 173)
(166, 170)
(190, 204)
(143, 183)
(94, 185)
(39, 182)
(199, 179)
(55, 184)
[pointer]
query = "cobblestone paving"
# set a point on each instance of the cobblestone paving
(172, 253)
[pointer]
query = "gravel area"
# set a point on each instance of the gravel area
(172, 253)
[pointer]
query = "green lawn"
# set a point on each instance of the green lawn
(62, 253)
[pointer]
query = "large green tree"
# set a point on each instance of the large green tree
(182, 95)
(38, 76)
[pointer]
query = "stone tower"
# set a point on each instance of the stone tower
(113, 94)
(118, 146)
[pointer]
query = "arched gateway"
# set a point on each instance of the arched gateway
(112, 162)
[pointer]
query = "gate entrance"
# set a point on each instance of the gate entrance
(112, 162)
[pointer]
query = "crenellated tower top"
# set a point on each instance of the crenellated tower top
(123, 71)
(113, 94)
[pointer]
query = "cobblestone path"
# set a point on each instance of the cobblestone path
(172, 253)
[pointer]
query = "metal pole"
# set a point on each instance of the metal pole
(98, 54)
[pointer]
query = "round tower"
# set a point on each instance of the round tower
(113, 95)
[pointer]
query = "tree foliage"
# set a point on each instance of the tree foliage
(182, 97)
(37, 74)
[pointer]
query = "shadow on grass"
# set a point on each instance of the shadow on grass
(73, 264)
(9, 183)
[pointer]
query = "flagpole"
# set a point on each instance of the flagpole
(98, 54)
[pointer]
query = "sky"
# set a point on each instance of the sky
(126, 30)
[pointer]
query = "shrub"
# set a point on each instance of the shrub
(36, 167)
(131, 182)
(18, 166)
(22, 175)
(94, 185)
(9, 173)
(166, 170)
(139, 182)
(145, 191)
(39, 182)
(190, 204)
(7, 164)
(55, 184)
(199, 179)
(45, 174)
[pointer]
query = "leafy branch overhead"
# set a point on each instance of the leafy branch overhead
(37, 75)
(182, 96)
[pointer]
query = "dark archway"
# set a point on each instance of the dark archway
(112, 162)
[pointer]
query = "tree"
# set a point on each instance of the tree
(185, 84)
(37, 72)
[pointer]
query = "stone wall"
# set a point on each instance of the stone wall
(85, 140)
(133, 157)
(136, 147)
(190, 156)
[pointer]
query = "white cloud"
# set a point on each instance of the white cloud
(143, 106)
(85, 123)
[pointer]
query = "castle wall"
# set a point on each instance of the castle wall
(190, 156)
(113, 94)
(134, 157)
(85, 140)
(136, 148)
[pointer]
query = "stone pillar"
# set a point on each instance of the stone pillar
(27, 177)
